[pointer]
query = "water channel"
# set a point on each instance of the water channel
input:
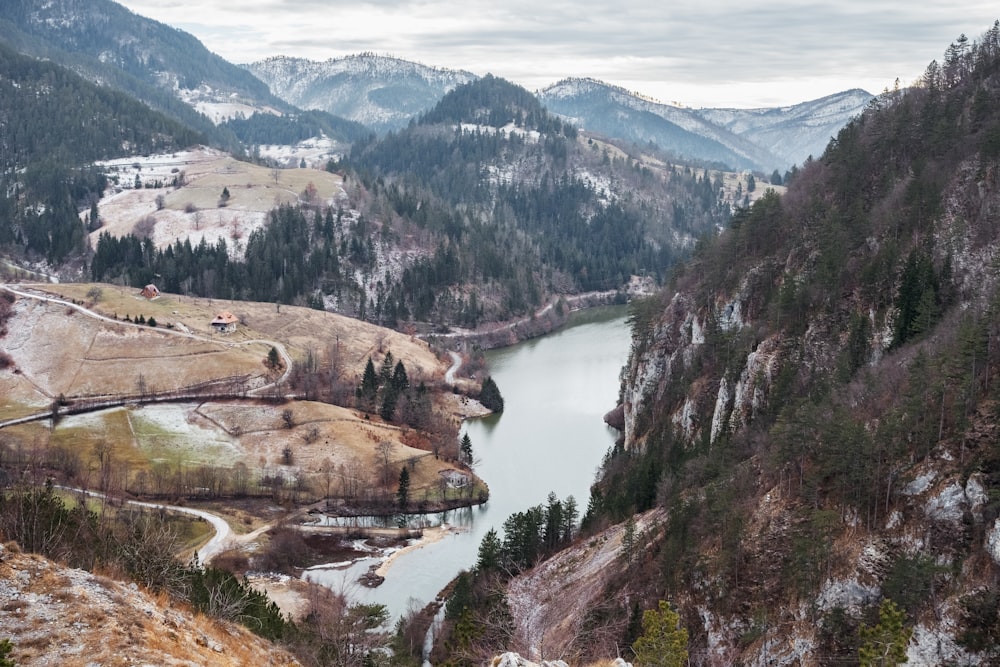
(551, 437)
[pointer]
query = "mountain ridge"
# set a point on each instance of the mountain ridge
(737, 135)
(359, 87)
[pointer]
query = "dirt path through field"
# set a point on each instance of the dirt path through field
(278, 346)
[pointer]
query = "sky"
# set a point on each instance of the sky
(698, 53)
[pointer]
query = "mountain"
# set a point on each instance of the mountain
(517, 205)
(809, 460)
(795, 132)
(762, 139)
(486, 209)
(54, 124)
(614, 112)
(164, 67)
(378, 91)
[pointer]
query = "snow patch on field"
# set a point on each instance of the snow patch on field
(179, 427)
(315, 151)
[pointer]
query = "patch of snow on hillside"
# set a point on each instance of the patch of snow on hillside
(531, 136)
(600, 183)
(315, 151)
(219, 107)
(157, 167)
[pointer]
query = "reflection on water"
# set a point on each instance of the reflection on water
(461, 516)
(551, 437)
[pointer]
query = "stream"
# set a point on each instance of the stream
(551, 437)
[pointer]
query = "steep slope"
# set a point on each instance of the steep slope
(764, 139)
(378, 91)
(56, 615)
(167, 68)
(813, 403)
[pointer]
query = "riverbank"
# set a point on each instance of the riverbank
(429, 536)
(546, 320)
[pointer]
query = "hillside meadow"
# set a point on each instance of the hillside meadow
(297, 448)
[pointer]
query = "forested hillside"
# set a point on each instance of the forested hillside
(106, 43)
(813, 400)
(525, 205)
(54, 123)
(481, 211)
(809, 465)
(291, 128)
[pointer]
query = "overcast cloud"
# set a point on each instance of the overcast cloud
(695, 52)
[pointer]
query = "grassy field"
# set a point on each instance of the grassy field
(195, 208)
(299, 329)
(60, 351)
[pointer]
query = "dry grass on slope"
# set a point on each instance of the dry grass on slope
(67, 617)
(299, 329)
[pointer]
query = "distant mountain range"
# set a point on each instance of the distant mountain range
(764, 139)
(173, 72)
(385, 93)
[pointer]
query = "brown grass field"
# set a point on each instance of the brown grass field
(60, 351)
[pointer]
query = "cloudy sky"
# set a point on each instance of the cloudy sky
(737, 53)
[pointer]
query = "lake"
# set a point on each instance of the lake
(550, 437)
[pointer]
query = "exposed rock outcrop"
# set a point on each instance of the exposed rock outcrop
(56, 615)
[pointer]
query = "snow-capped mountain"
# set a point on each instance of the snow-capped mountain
(763, 139)
(378, 91)
(795, 132)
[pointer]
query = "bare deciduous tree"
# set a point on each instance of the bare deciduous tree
(383, 461)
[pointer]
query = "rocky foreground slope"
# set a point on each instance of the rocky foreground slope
(61, 616)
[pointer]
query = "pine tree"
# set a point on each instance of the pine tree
(399, 378)
(367, 392)
(403, 492)
(466, 449)
(884, 644)
(490, 552)
(663, 642)
(490, 396)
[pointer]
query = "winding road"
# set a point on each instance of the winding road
(456, 364)
(219, 542)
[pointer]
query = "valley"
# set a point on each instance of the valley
(322, 349)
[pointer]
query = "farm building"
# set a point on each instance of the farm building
(150, 291)
(225, 322)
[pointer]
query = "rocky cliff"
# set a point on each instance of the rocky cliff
(812, 402)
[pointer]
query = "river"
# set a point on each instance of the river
(551, 437)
